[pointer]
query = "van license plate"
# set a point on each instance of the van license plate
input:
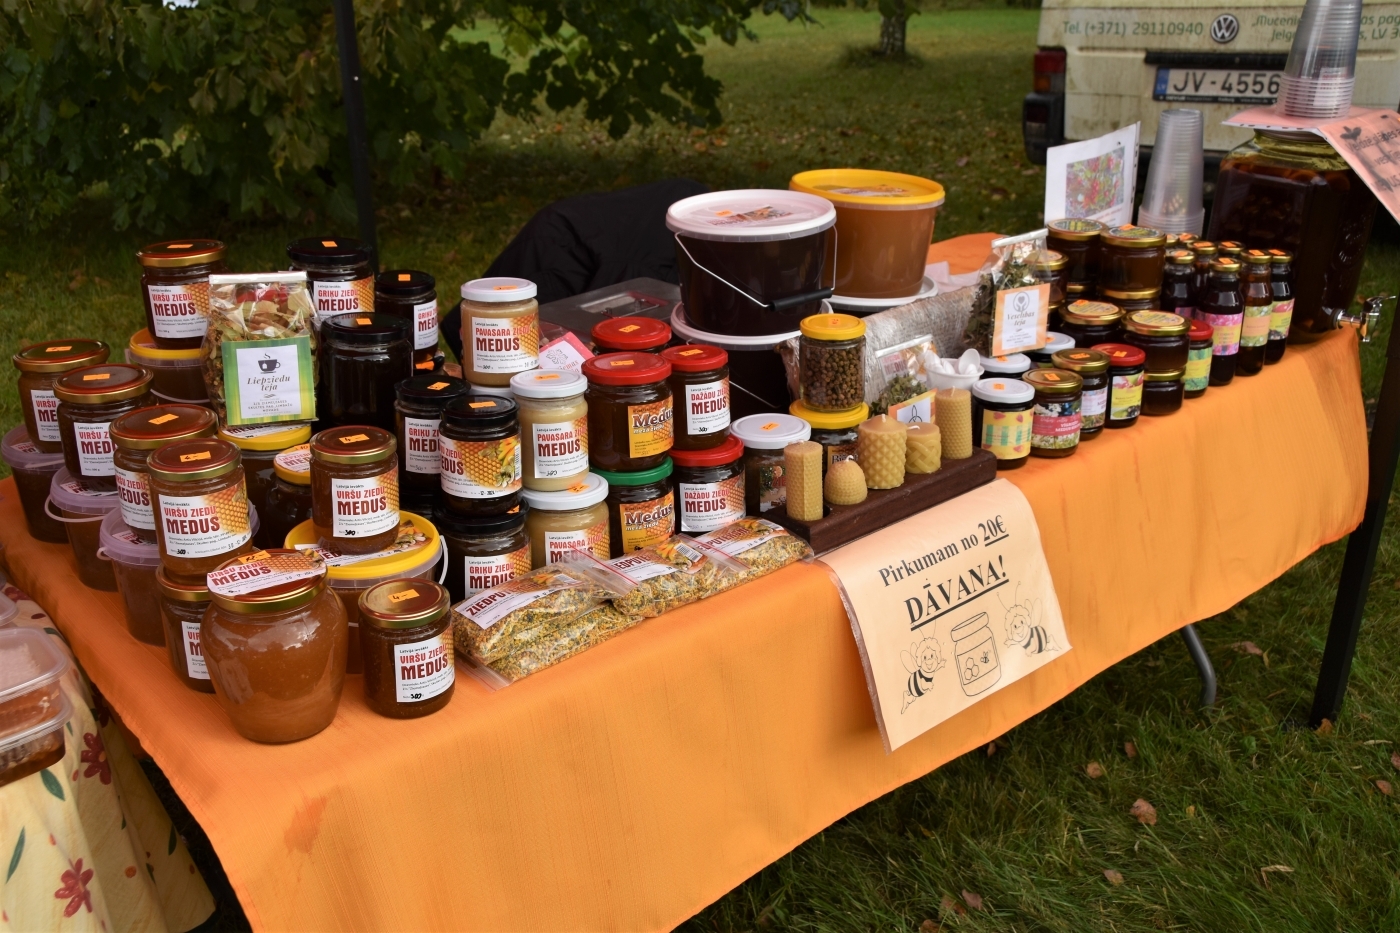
(1213, 85)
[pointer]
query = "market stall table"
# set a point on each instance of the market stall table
(630, 786)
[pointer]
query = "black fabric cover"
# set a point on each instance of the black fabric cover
(590, 241)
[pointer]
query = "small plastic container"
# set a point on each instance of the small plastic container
(175, 290)
(699, 395)
(40, 365)
(573, 519)
(500, 329)
(481, 457)
(418, 421)
(33, 707)
(553, 428)
(363, 357)
(764, 437)
(89, 399)
(831, 362)
(834, 430)
(134, 564)
(1162, 393)
(1005, 367)
(709, 486)
(1197, 378)
(1162, 335)
(355, 488)
(1054, 343)
(643, 334)
(81, 509)
(349, 580)
(288, 498)
(259, 445)
(641, 508)
(1126, 365)
(1092, 367)
(33, 471)
(483, 551)
(1002, 415)
(182, 608)
(406, 642)
(176, 375)
(1092, 322)
(412, 296)
(9, 612)
(631, 420)
(1056, 417)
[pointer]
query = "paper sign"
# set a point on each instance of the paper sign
(1267, 117)
(1370, 142)
(1022, 320)
(919, 408)
(948, 607)
(1094, 178)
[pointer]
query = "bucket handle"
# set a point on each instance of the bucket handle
(102, 554)
(48, 500)
(778, 305)
(442, 552)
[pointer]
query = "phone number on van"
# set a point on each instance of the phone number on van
(1107, 27)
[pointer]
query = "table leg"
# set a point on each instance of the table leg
(1203, 665)
(1362, 545)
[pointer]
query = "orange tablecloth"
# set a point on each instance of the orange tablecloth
(629, 787)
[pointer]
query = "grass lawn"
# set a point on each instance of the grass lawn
(1258, 827)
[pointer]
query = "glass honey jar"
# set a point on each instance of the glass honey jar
(1132, 259)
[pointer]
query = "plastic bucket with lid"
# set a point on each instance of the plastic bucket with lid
(81, 509)
(33, 471)
(752, 261)
(134, 564)
(884, 223)
(31, 692)
(177, 375)
(350, 579)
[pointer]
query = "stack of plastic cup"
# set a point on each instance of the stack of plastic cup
(1321, 70)
(1171, 202)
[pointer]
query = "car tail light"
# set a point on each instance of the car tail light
(1050, 70)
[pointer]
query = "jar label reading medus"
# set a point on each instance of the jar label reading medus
(420, 445)
(487, 573)
(505, 345)
(1127, 397)
(425, 325)
(94, 448)
(194, 654)
(650, 428)
(708, 506)
(332, 298)
(561, 448)
(707, 407)
(1226, 340)
(205, 526)
(135, 493)
(366, 506)
(1007, 434)
(480, 469)
(646, 523)
(179, 312)
(593, 540)
(45, 406)
(424, 669)
(1056, 425)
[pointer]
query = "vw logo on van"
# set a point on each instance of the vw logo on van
(1225, 28)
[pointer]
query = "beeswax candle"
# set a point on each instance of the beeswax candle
(923, 451)
(880, 450)
(802, 469)
(954, 407)
(845, 483)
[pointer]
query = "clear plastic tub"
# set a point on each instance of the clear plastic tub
(8, 611)
(134, 564)
(33, 471)
(178, 375)
(33, 708)
(349, 580)
(81, 509)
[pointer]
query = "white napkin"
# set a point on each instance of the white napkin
(958, 373)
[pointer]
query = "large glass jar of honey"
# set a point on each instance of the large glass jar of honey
(1292, 191)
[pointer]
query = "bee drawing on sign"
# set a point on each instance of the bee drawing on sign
(921, 661)
(1022, 628)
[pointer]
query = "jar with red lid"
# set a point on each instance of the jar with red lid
(89, 400)
(700, 393)
(1126, 365)
(40, 365)
(617, 334)
(709, 486)
(1198, 358)
(339, 274)
(200, 500)
(175, 289)
(630, 415)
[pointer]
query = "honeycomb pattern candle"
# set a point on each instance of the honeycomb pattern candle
(954, 407)
(923, 452)
(880, 446)
(802, 469)
(845, 483)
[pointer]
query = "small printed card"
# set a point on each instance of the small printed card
(268, 381)
(1022, 320)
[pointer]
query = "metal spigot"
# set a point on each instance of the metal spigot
(1369, 318)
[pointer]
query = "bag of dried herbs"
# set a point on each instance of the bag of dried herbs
(1011, 265)
(259, 354)
(760, 545)
(536, 620)
(673, 573)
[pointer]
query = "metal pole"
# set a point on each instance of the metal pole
(1360, 558)
(1203, 665)
(356, 132)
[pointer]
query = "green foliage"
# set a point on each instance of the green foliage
(236, 104)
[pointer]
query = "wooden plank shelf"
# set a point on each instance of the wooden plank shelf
(843, 524)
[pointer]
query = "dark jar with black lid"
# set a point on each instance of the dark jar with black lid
(480, 445)
(412, 295)
(363, 358)
(484, 551)
(339, 274)
(418, 419)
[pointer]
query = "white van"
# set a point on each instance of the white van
(1104, 64)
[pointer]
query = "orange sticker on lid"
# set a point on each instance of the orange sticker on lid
(504, 288)
(546, 377)
(629, 328)
(998, 386)
(96, 377)
(769, 426)
(577, 487)
(199, 455)
(361, 321)
(255, 556)
(400, 597)
(616, 363)
(59, 349)
(180, 246)
(405, 277)
(353, 438)
(689, 352)
(1118, 354)
(1052, 377)
(328, 242)
(438, 386)
(481, 404)
(162, 419)
(426, 364)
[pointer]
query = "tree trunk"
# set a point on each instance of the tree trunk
(892, 28)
